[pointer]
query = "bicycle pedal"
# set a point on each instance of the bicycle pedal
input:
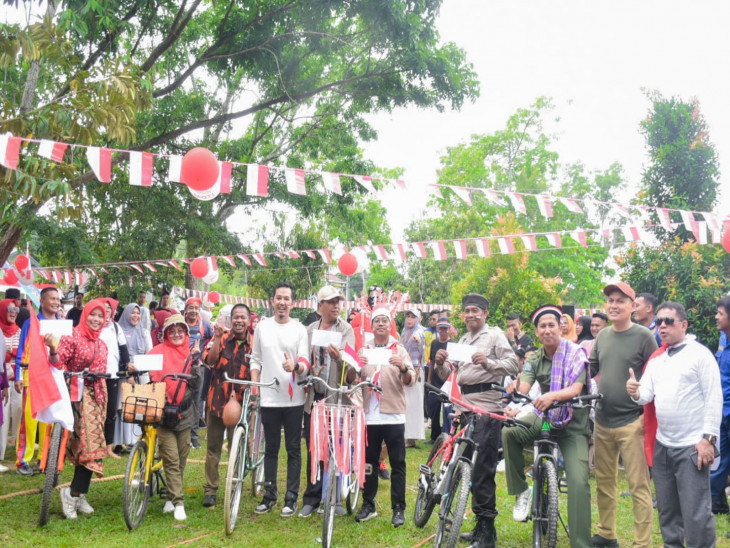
(563, 485)
(425, 470)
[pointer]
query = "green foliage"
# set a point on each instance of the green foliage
(693, 275)
(683, 167)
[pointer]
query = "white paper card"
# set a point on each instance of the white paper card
(57, 328)
(320, 337)
(148, 362)
(377, 356)
(460, 352)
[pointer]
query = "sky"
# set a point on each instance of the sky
(592, 58)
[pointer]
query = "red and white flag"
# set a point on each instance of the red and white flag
(175, 265)
(366, 182)
(173, 172)
(257, 180)
(419, 249)
(462, 193)
(580, 237)
(325, 254)
(506, 246)
(9, 150)
(223, 184)
(229, 260)
(259, 259)
(700, 232)
(460, 249)
(688, 219)
(572, 205)
(554, 239)
(349, 356)
(380, 252)
(137, 268)
(518, 204)
(631, 233)
(293, 254)
(545, 205)
(492, 196)
(664, 219)
(245, 259)
(439, 251)
(309, 253)
(140, 168)
(530, 242)
(451, 387)
(295, 181)
(52, 150)
(100, 161)
(400, 183)
(332, 182)
(149, 266)
(483, 248)
(401, 251)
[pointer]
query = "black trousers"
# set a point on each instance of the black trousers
(273, 419)
(112, 400)
(433, 407)
(81, 480)
(394, 437)
(487, 433)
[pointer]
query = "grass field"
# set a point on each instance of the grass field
(204, 527)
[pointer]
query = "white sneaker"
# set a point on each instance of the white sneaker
(522, 505)
(83, 505)
(68, 503)
(180, 513)
(3, 468)
(169, 507)
(501, 466)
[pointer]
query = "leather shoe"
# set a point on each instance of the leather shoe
(398, 518)
(209, 500)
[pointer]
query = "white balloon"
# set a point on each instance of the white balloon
(211, 277)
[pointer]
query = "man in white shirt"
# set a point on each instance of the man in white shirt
(684, 383)
(280, 350)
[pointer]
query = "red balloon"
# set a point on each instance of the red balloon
(726, 237)
(214, 297)
(21, 262)
(199, 267)
(199, 169)
(10, 277)
(347, 264)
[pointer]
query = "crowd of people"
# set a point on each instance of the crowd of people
(664, 414)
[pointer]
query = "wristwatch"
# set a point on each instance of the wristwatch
(709, 437)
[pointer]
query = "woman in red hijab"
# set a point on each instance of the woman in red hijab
(173, 441)
(11, 334)
(84, 350)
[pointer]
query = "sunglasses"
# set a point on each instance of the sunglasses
(12, 309)
(667, 321)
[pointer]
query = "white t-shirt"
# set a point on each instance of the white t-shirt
(271, 340)
(374, 416)
(113, 337)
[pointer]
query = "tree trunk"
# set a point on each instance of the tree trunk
(8, 240)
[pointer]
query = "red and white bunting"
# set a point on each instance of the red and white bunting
(52, 150)
(419, 250)
(309, 253)
(400, 251)
(295, 181)
(325, 254)
(506, 247)
(140, 168)
(9, 150)
(713, 222)
(483, 248)
(293, 254)
(607, 234)
(380, 252)
(257, 180)
(100, 162)
(173, 172)
(245, 259)
(229, 260)
(530, 242)
(137, 268)
(225, 172)
(518, 203)
(149, 266)
(400, 183)
(439, 251)
(332, 182)
(554, 240)
(365, 181)
(280, 255)
(700, 232)
(622, 210)
(664, 219)
(259, 258)
(716, 235)
(492, 196)
(462, 193)
(571, 205)
(175, 265)
(688, 219)
(631, 233)
(580, 237)
(545, 205)
(460, 249)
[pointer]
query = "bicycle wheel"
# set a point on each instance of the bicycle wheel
(54, 450)
(353, 492)
(453, 506)
(545, 515)
(425, 500)
(136, 492)
(257, 455)
(330, 504)
(234, 477)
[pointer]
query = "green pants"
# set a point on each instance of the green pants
(174, 446)
(574, 448)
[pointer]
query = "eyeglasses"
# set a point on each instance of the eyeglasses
(179, 331)
(12, 309)
(668, 321)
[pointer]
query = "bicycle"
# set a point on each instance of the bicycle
(343, 423)
(143, 475)
(545, 512)
(53, 454)
(446, 477)
(239, 463)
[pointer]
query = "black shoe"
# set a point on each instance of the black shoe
(383, 474)
(598, 540)
(719, 504)
(366, 512)
(195, 444)
(201, 423)
(398, 518)
(208, 501)
(484, 534)
(467, 537)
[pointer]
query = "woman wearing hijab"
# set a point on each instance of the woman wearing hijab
(139, 342)
(84, 349)
(413, 339)
(116, 362)
(174, 441)
(567, 328)
(11, 400)
(583, 329)
(159, 316)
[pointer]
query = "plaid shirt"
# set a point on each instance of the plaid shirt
(233, 360)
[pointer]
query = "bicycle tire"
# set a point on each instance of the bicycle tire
(257, 456)
(330, 504)
(425, 501)
(136, 491)
(353, 493)
(545, 522)
(454, 506)
(235, 476)
(54, 450)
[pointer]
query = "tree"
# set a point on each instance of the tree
(287, 81)
(683, 168)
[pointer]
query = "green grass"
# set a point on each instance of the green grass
(106, 527)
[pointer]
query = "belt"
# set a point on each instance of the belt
(474, 388)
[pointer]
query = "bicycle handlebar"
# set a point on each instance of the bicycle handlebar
(342, 389)
(577, 402)
(86, 374)
(274, 382)
(183, 376)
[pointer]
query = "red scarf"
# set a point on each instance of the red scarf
(650, 423)
(113, 304)
(173, 361)
(83, 328)
(9, 328)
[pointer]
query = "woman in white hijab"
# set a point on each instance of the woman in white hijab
(413, 339)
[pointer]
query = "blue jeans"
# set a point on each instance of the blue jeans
(718, 478)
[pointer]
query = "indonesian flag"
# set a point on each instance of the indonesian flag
(580, 237)
(140, 168)
(257, 180)
(325, 255)
(77, 388)
(483, 248)
(349, 356)
(506, 246)
(332, 182)
(365, 182)
(173, 173)
(554, 239)
(137, 268)
(572, 205)
(295, 181)
(9, 151)
(460, 249)
(451, 387)
(492, 196)
(631, 233)
(419, 248)
(223, 183)
(293, 254)
(50, 402)
(688, 219)
(52, 150)
(401, 250)
(400, 183)
(530, 242)
(700, 232)
(545, 205)
(439, 251)
(380, 252)
(664, 219)
(462, 193)
(175, 265)
(100, 161)
(245, 259)
(149, 266)
(259, 258)
(517, 202)
(229, 260)
(309, 253)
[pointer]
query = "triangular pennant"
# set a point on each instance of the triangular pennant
(295, 181)
(439, 251)
(505, 245)
(9, 150)
(332, 182)
(530, 242)
(401, 251)
(518, 204)
(325, 255)
(554, 239)
(380, 252)
(52, 150)
(571, 205)
(259, 258)
(460, 249)
(149, 265)
(664, 219)
(419, 249)
(483, 248)
(100, 161)
(365, 182)
(580, 237)
(545, 205)
(462, 193)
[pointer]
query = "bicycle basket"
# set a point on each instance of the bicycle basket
(143, 403)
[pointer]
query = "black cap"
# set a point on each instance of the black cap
(474, 299)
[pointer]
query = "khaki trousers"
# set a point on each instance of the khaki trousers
(216, 428)
(174, 448)
(628, 442)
